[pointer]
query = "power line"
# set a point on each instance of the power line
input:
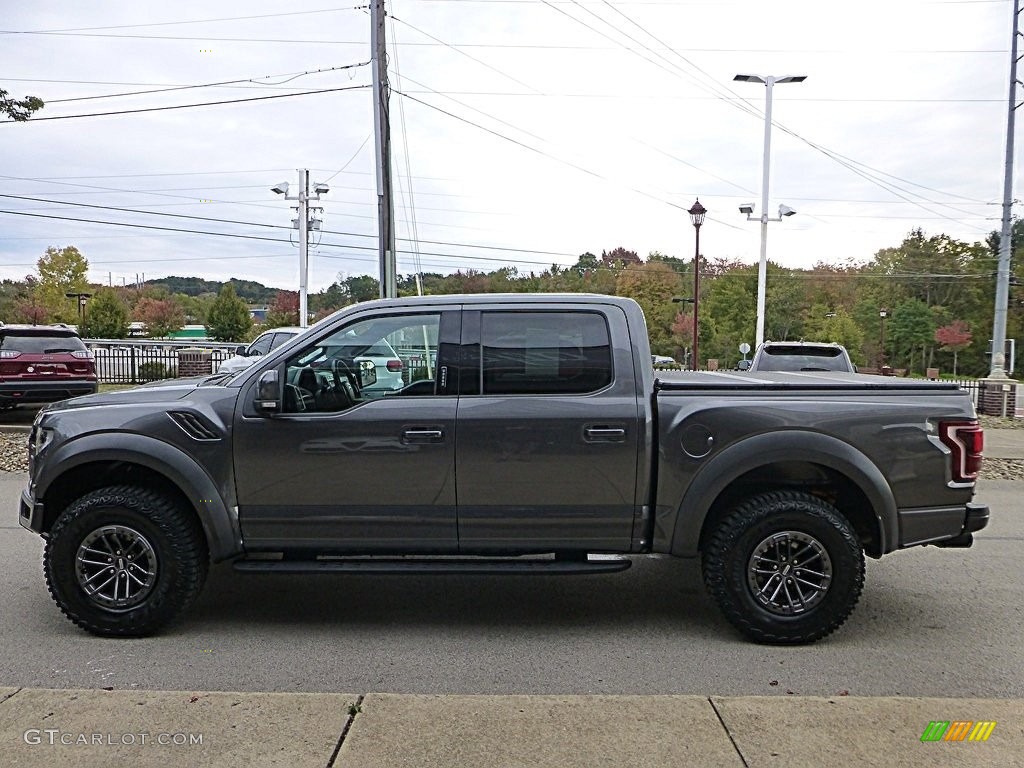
(190, 106)
(290, 75)
(173, 23)
(742, 104)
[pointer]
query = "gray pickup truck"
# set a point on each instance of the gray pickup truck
(532, 437)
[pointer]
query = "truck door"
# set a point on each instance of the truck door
(548, 430)
(350, 466)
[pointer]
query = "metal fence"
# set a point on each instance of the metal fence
(136, 361)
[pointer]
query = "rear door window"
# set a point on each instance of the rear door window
(544, 353)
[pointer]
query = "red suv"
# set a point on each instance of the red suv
(42, 364)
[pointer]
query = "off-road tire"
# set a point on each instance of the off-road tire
(174, 537)
(729, 553)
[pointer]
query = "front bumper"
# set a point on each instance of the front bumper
(30, 512)
(942, 526)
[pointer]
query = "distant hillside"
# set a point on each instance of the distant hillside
(250, 290)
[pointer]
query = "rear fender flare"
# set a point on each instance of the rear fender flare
(776, 447)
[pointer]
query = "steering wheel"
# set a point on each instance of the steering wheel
(340, 368)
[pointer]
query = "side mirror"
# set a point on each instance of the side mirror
(268, 391)
(367, 374)
(240, 350)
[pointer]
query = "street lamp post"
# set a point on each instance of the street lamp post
(696, 212)
(769, 82)
(882, 314)
(80, 298)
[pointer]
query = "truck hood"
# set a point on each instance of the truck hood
(155, 392)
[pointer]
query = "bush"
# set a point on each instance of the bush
(154, 370)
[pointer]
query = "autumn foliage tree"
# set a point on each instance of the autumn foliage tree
(284, 311)
(953, 338)
(161, 316)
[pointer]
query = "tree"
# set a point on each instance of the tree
(620, 257)
(911, 327)
(954, 337)
(652, 286)
(161, 316)
(228, 317)
(836, 327)
(359, 287)
(19, 110)
(107, 316)
(284, 310)
(61, 271)
(682, 331)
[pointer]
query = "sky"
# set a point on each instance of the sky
(524, 132)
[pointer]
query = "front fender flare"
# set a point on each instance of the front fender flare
(223, 534)
(772, 448)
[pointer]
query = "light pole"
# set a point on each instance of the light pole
(696, 212)
(303, 225)
(882, 314)
(769, 82)
(80, 298)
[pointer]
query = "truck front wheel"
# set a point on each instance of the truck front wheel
(784, 567)
(124, 561)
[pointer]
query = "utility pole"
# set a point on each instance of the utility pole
(1006, 234)
(303, 211)
(993, 399)
(382, 134)
(303, 224)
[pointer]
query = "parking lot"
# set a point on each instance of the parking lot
(930, 623)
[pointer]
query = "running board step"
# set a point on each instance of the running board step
(476, 566)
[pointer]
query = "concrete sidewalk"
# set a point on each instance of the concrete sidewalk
(1004, 443)
(40, 727)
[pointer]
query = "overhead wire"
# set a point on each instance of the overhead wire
(751, 109)
(290, 75)
(191, 106)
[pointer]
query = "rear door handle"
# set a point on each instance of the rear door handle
(604, 434)
(423, 435)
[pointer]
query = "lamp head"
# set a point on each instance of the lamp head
(280, 189)
(785, 210)
(747, 208)
(697, 212)
(320, 188)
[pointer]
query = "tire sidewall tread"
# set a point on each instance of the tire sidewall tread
(732, 541)
(176, 536)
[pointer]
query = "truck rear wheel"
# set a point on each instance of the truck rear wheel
(784, 567)
(124, 561)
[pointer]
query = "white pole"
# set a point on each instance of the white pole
(998, 370)
(303, 245)
(762, 264)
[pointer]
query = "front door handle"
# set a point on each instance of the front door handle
(604, 434)
(423, 435)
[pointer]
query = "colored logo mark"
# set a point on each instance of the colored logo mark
(958, 730)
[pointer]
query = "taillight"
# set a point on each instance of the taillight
(9, 353)
(965, 440)
(82, 354)
(395, 366)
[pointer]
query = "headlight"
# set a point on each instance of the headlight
(38, 440)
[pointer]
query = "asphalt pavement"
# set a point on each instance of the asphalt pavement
(634, 668)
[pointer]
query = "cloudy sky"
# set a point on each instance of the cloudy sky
(529, 131)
